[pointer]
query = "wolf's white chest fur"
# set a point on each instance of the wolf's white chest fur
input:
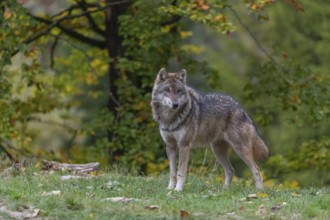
(177, 135)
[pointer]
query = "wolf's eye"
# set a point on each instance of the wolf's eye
(179, 90)
(167, 90)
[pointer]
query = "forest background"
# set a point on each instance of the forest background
(76, 78)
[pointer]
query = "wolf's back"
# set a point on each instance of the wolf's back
(230, 111)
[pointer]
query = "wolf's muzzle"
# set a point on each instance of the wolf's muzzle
(175, 106)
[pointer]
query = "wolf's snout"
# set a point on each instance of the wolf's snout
(175, 105)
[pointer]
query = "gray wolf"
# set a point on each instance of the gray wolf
(188, 119)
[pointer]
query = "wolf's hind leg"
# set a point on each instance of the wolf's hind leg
(220, 150)
(241, 139)
(244, 151)
(171, 155)
(248, 159)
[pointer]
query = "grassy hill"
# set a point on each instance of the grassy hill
(117, 195)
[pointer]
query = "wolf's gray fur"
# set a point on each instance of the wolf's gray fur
(188, 119)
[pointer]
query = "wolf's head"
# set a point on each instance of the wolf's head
(170, 89)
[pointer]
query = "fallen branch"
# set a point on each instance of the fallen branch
(17, 167)
(75, 168)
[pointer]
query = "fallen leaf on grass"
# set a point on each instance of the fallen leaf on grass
(90, 195)
(198, 214)
(276, 207)
(316, 193)
(120, 199)
(231, 214)
(295, 194)
(250, 197)
(52, 193)
(184, 214)
(255, 196)
(262, 210)
(152, 207)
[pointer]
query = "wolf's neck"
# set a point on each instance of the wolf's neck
(171, 120)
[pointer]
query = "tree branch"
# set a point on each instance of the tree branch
(254, 37)
(52, 50)
(11, 146)
(172, 21)
(11, 158)
(92, 11)
(90, 19)
(73, 7)
(93, 42)
(87, 57)
(73, 34)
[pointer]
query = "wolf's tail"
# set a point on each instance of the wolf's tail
(259, 149)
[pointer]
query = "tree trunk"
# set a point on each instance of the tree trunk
(115, 50)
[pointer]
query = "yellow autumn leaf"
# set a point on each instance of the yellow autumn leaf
(68, 88)
(294, 184)
(192, 48)
(32, 53)
(94, 173)
(166, 29)
(262, 195)
(7, 13)
(90, 79)
(27, 140)
(139, 106)
(55, 31)
(37, 165)
(185, 34)
(253, 7)
(100, 66)
(295, 194)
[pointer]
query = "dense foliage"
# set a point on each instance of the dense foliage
(76, 76)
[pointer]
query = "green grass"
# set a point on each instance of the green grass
(203, 198)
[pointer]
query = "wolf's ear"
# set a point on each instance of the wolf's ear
(182, 75)
(162, 74)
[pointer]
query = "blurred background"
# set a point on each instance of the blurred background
(76, 79)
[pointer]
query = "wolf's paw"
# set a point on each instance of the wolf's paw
(178, 189)
(171, 185)
(226, 187)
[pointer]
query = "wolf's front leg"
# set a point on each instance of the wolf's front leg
(171, 155)
(183, 165)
